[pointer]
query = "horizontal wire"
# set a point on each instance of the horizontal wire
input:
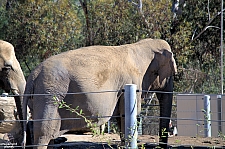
(53, 94)
(97, 117)
(97, 92)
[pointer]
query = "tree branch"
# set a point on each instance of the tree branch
(139, 5)
(208, 10)
(207, 26)
(88, 36)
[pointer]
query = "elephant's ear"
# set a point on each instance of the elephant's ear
(167, 65)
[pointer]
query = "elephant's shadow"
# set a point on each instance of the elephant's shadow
(83, 145)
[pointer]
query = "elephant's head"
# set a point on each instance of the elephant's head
(11, 75)
(162, 66)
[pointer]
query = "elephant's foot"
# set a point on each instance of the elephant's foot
(51, 144)
(43, 142)
(163, 142)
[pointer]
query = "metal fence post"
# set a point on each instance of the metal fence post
(207, 116)
(130, 116)
(219, 110)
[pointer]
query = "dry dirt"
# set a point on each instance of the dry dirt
(149, 141)
(109, 141)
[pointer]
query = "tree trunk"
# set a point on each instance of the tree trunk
(88, 28)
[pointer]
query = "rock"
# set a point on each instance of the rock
(8, 114)
(10, 129)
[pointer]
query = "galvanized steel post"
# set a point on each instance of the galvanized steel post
(130, 116)
(207, 116)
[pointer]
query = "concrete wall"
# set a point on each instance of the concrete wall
(190, 106)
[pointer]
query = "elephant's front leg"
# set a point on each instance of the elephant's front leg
(165, 113)
(165, 101)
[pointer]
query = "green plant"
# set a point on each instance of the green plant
(142, 146)
(78, 112)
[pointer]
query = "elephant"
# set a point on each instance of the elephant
(11, 75)
(81, 78)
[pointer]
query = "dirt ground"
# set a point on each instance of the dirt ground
(147, 140)
(111, 141)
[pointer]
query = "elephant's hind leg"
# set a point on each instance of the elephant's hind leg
(41, 142)
(46, 129)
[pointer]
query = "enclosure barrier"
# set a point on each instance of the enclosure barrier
(212, 111)
(219, 111)
(130, 116)
(207, 116)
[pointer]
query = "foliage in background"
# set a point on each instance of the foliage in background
(39, 29)
(116, 22)
(3, 21)
(196, 42)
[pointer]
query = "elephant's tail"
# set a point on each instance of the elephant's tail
(27, 96)
(25, 101)
(29, 91)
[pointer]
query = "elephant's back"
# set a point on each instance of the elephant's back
(97, 65)
(93, 53)
(89, 59)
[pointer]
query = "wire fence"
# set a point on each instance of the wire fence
(187, 113)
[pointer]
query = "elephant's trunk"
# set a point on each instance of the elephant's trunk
(18, 100)
(19, 109)
(17, 84)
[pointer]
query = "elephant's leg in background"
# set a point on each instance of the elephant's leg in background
(121, 119)
(102, 129)
(30, 135)
(46, 130)
(165, 101)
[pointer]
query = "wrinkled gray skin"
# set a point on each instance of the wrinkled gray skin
(94, 69)
(11, 75)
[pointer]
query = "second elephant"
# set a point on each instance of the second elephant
(11, 77)
(96, 69)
